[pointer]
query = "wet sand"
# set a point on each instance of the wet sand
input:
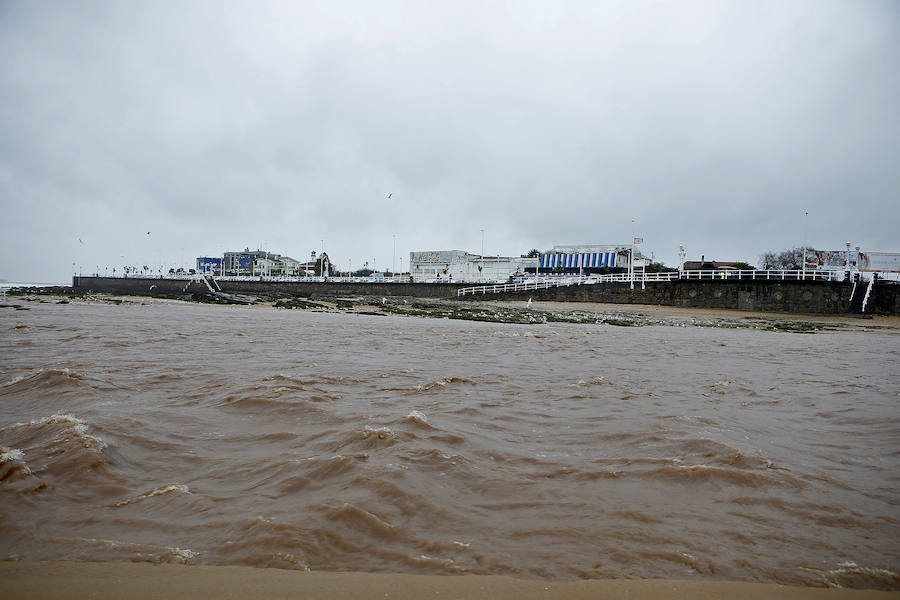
(122, 581)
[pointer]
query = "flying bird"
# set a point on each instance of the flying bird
(389, 195)
(80, 241)
(148, 233)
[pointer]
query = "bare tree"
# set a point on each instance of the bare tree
(791, 259)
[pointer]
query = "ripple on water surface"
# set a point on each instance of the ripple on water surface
(208, 435)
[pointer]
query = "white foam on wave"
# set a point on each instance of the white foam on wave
(164, 489)
(9, 457)
(851, 568)
(381, 433)
(64, 372)
(11, 454)
(417, 415)
(15, 380)
(138, 551)
(78, 427)
(185, 554)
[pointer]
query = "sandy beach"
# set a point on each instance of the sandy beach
(135, 581)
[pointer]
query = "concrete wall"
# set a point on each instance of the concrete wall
(813, 297)
(315, 289)
(886, 300)
(138, 286)
(819, 297)
(141, 287)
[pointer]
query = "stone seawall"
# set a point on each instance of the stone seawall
(306, 289)
(817, 297)
(811, 297)
(886, 300)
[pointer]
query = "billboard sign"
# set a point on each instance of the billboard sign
(883, 262)
(829, 260)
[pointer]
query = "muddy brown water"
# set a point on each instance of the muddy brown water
(336, 442)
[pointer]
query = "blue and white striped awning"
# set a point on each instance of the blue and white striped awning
(572, 260)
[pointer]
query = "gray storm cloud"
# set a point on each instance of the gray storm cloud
(222, 125)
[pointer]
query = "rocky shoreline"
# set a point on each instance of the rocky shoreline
(510, 312)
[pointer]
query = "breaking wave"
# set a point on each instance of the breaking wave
(179, 488)
(70, 427)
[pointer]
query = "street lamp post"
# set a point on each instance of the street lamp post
(631, 259)
(805, 240)
(848, 261)
(482, 255)
(394, 260)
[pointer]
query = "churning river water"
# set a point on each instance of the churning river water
(253, 436)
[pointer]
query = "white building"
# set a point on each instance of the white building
(264, 266)
(588, 258)
(458, 265)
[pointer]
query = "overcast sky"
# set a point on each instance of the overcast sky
(285, 125)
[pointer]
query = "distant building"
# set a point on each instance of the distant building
(587, 259)
(241, 263)
(458, 265)
(254, 263)
(209, 265)
(318, 266)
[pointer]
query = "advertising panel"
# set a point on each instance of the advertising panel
(884, 262)
(829, 260)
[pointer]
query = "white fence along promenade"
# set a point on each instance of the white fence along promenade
(557, 281)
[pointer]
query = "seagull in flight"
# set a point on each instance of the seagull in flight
(389, 195)
(80, 241)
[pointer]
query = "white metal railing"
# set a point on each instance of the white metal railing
(868, 293)
(531, 284)
(199, 276)
(288, 279)
(555, 281)
(543, 282)
(791, 274)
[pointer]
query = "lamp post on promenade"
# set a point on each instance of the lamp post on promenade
(482, 255)
(631, 258)
(805, 240)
